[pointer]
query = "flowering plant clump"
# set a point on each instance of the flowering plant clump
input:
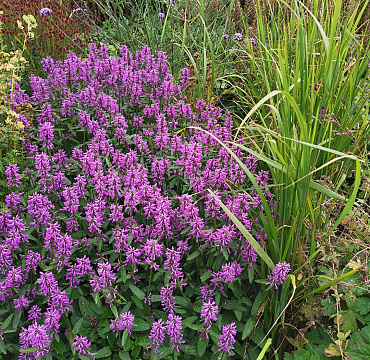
(58, 24)
(110, 242)
(12, 125)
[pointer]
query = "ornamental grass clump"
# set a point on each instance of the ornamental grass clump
(110, 243)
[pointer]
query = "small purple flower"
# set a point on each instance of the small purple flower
(209, 313)
(322, 111)
(225, 36)
(82, 345)
(156, 335)
(34, 313)
(52, 317)
(20, 303)
(167, 298)
(77, 10)
(238, 36)
(45, 11)
(279, 274)
(124, 323)
(161, 15)
(35, 336)
(12, 172)
(253, 41)
(227, 338)
(316, 87)
(174, 327)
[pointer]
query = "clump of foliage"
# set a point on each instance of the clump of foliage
(12, 125)
(111, 244)
(63, 27)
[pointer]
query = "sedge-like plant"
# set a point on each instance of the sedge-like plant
(304, 96)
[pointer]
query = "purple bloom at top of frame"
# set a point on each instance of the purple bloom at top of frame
(45, 11)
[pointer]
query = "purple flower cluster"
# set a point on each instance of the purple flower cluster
(238, 36)
(124, 323)
(227, 338)
(45, 11)
(209, 313)
(128, 203)
(12, 172)
(279, 274)
(82, 345)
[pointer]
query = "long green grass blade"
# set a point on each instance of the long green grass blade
(245, 233)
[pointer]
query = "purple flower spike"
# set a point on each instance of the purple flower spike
(12, 172)
(279, 274)
(157, 335)
(161, 15)
(238, 37)
(225, 36)
(34, 313)
(174, 327)
(209, 313)
(82, 345)
(227, 338)
(45, 11)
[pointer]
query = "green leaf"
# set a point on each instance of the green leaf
(164, 352)
(188, 321)
(7, 321)
(238, 314)
(193, 255)
(332, 350)
(205, 276)
(137, 302)
(2, 347)
(124, 355)
(140, 325)
(28, 350)
(248, 327)
(76, 328)
(258, 336)
(137, 292)
(201, 347)
(362, 305)
(256, 304)
(124, 338)
(16, 320)
(349, 323)
(59, 347)
(102, 353)
(359, 345)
